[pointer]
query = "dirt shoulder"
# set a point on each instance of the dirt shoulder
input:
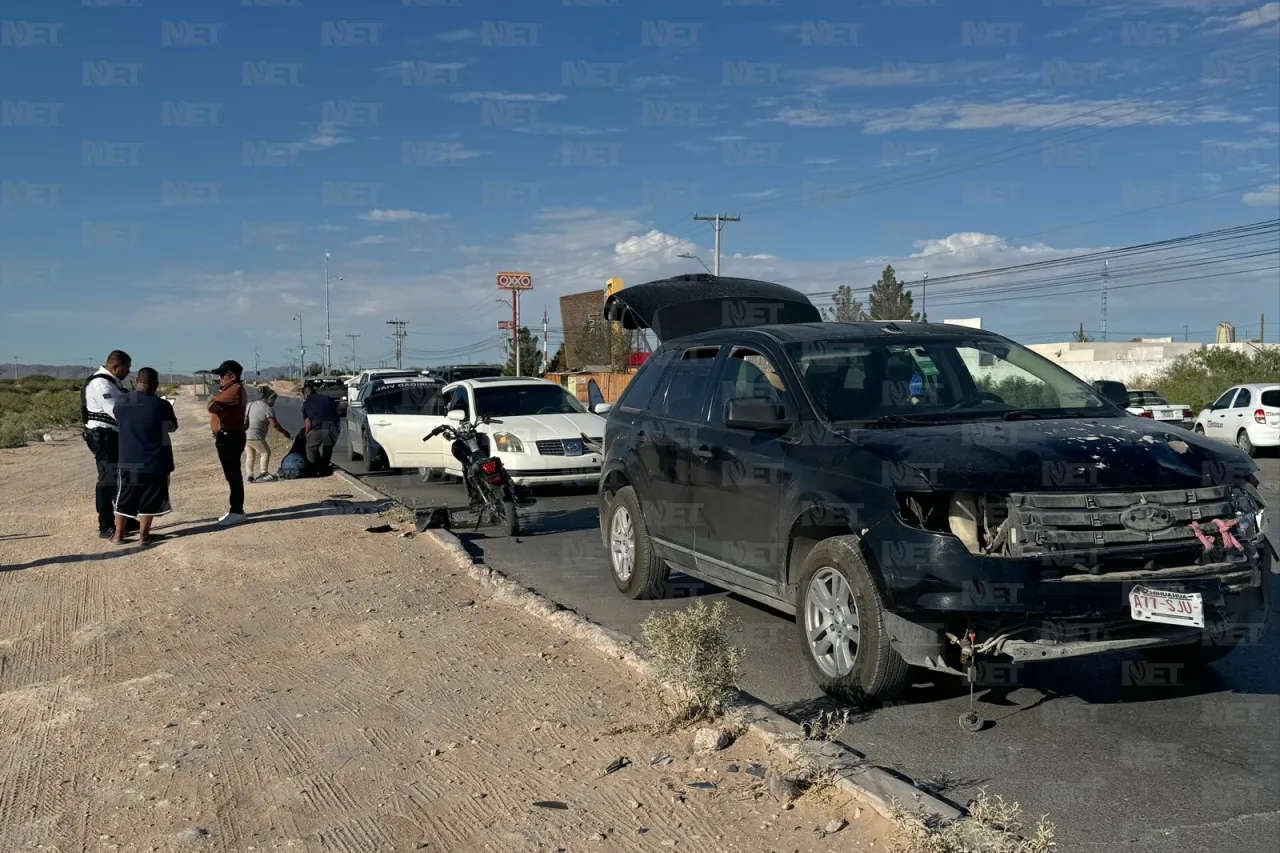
(297, 683)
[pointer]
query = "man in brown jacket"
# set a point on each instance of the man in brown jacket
(227, 420)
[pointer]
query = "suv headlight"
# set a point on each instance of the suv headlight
(1249, 508)
(507, 443)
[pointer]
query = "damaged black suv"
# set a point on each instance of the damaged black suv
(917, 494)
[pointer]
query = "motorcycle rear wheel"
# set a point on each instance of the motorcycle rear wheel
(509, 518)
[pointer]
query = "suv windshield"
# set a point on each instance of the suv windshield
(510, 400)
(931, 379)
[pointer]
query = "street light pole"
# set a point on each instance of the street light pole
(924, 298)
(302, 348)
(328, 338)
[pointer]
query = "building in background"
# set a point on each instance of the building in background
(579, 313)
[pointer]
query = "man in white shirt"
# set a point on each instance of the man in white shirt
(101, 433)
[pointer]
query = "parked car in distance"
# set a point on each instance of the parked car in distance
(536, 429)
(356, 385)
(457, 372)
(1149, 404)
(1248, 415)
(391, 409)
(917, 494)
(332, 387)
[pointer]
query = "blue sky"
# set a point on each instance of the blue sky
(172, 176)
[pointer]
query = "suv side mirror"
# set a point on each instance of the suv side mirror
(754, 414)
(602, 408)
(456, 415)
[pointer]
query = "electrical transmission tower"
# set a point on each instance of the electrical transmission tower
(399, 335)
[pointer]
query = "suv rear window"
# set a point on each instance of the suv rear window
(690, 384)
(640, 389)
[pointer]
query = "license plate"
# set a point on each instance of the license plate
(572, 447)
(1169, 414)
(1171, 608)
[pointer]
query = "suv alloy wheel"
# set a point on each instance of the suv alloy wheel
(637, 571)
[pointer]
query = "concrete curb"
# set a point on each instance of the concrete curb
(876, 787)
(871, 785)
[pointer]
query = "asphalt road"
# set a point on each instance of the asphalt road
(1177, 769)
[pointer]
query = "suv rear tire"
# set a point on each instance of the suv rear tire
(637, 571)
(837, 592)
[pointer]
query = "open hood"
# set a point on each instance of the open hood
(689, 304)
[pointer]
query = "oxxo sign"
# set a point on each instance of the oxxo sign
(515, 281)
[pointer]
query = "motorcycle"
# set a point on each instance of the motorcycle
(490, 489)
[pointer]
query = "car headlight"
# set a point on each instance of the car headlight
(507, 443)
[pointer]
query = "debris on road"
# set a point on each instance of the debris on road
(616, 765)
(380, 528)
(551, 804)
(711, 740)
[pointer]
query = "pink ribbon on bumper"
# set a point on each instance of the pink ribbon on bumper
(1224, 527)
(1204, 540)
(1229, 541)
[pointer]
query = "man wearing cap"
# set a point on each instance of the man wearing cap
(98, 400)
(227, 421)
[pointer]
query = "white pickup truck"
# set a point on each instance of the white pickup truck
(1149, 404)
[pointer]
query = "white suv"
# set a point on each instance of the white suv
(1248, 415)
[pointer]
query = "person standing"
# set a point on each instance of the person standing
(320, 420)
(260, 417)
(98, 400)
(146, 457)
(227, 421)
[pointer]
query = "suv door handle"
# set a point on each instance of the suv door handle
(702, 451)
(382, 423)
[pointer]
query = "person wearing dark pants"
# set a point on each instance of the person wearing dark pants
(98, 400)
(227, 421)
(146, 457)
(320, 421)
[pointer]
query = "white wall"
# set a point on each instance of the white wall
(1125, 361)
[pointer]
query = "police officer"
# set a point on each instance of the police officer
(97, 408)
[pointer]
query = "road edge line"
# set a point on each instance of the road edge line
(887, 794)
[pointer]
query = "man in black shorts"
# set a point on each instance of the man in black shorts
(146, 456)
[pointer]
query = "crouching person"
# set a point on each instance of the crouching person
(145, 422)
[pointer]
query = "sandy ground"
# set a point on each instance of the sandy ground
(299, 684)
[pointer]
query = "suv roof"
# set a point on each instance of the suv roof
(806, 332)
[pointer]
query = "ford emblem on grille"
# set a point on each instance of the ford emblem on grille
(1146, 518)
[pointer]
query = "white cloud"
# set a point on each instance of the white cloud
(1016, 113)
(758, 195)
(822, 161)
(1267, 196)
(553, 128)
(693, 147)
(655, 81)
(723, 139)
(524, 97)
(402, 216)
(1268, 13)
(327, 227)
(324, 137)
(455, 35)
(374, 240)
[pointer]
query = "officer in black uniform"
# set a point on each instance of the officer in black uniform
(98, 400)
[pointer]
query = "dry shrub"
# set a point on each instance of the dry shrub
(991, 826)
(826, 727)
(691, 654)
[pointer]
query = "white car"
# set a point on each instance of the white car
(1149, 404)
(535, 428)
(356, 384)
(1248, 415)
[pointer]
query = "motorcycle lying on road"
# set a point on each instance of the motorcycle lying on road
(491, 491)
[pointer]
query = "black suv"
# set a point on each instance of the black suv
(917, 494)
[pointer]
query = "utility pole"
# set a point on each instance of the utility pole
(399, 335)
(1185, 335)
(515, 326)
(719, 219)
(15, 368)
(302, 348)
(1106, 275)
(546, 356)
(924, 299)
(328, 337)
(171, 373)
(1262, 328)
(353, 351)
(256, 361)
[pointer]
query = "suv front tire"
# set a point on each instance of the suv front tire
(840, 616)
(637, 571)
